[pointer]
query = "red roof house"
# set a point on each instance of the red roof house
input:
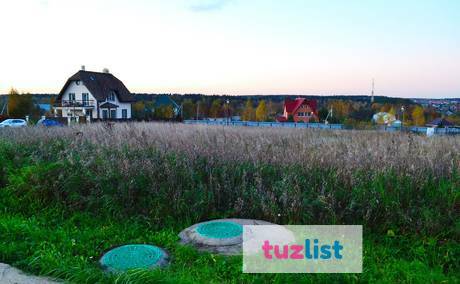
(300, 109)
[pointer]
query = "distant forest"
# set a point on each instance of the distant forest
(350, 110)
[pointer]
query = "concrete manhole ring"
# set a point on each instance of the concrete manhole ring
(223, 236)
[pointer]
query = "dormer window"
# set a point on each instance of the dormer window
(77, 82)
(111, 96)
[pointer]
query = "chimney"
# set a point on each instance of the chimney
(105, 70)
(83, 68)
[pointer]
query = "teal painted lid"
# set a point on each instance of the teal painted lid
(220, 230)
(132, 257)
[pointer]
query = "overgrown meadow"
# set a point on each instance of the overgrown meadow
(68, 194)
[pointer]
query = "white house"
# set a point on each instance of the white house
(95, 95)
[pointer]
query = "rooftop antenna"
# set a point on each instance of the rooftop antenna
(373, 91)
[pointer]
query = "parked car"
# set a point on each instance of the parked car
(48, 122)
(13, 123)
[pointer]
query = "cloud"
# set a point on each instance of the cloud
(209, 5)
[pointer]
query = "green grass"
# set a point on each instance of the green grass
(68, 247)
(63, 204)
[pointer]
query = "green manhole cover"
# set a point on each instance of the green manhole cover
(132, 257)
(220, 230)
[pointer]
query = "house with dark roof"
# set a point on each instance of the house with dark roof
(299, 110)
(94, 95)
(165, 101)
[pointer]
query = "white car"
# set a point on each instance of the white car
(13, 123)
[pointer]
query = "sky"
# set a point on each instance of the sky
(237, 47)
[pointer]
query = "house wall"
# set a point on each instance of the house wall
(120, 105)
(307, 117)
(78, 90)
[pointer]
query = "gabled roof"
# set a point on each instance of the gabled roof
(108, 105)
(293, 105)
(165, 100)
(100, 85)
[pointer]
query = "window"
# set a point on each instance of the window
(71, 96)
(104, 114)
(111, 96)
(77, 82)
(300, 114)
(85, 98)
(113, 113)
(124, 113)
(89, 113)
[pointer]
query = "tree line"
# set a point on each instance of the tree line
(352, 111)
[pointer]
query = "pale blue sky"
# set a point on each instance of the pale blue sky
(412, 48)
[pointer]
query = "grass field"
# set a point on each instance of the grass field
(68, 194)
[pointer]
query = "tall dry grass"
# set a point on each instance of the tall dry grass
(181, 174)
(345, 151)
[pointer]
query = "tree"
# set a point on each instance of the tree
(271, 111)
(385, 108)
(248, 112)
(322, 113)
(188, 109)
(362, 114)
(52, 102)
(139, 110)
(164, 112)
(215, 109)
(20, 106)
(169, 112)
(392, 111)
(261, 111)
(341, 109)
(418, 116)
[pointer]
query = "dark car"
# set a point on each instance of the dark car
(49, 123)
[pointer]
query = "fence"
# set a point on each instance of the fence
(413, 129)
(267, 124)
(425, 130)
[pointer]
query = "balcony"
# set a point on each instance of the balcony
(75, 103)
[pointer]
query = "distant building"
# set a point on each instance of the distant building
(299, 110)
(383, 118)
(165, 101)
(440, 123)
(95, 95)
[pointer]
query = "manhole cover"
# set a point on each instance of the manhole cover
(133, 257)
(220, 230)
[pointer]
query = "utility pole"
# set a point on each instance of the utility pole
(4, 105)
(228, 111)
(373, 91)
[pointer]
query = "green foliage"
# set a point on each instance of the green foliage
(69, 246)
(216, 109)
(248, 112)
(138, 109)
(174, 187)
(20, 105)
(61, 207)
(188, 109)
(261, 111)
(164, 112)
